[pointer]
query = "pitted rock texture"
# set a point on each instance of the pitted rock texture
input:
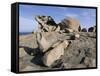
(47, 24)
(81, 53)
(57, 46)
(71, 23)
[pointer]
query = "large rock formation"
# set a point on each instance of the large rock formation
(55, 53)
(47, 24)
(80, 53)
(46, 40)
(71, 23)
(64, 47)
(84, 51)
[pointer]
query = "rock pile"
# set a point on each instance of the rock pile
(60, 45)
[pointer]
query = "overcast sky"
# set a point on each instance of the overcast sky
(27, 13)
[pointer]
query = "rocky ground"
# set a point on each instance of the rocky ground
(80, 53)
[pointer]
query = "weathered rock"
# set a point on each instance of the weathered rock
(70, 66)
(68, 30)
(22, 52)
(80, 53)
(92, 29)
(90, 62)
(52, 55)
(29, 41)
(67, 36)
(76, 59)
(80, 66)
(31, 68)
(45, 20)
(67, 65)
(84, 30)
(88, 34)
(77, 35)
(21, 65)
(46, 23)
(46, 40)
(70, 23)
(28, 68)
(57, 46)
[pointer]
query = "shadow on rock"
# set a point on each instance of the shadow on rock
(31, 51)
(38, 60)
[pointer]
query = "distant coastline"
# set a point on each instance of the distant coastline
(24, 33)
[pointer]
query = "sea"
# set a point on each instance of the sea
(25, 33)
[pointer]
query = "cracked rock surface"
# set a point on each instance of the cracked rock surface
(57, 46)
(81, 53)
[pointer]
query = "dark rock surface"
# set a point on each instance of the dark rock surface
(92, 29)
(84, 30)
